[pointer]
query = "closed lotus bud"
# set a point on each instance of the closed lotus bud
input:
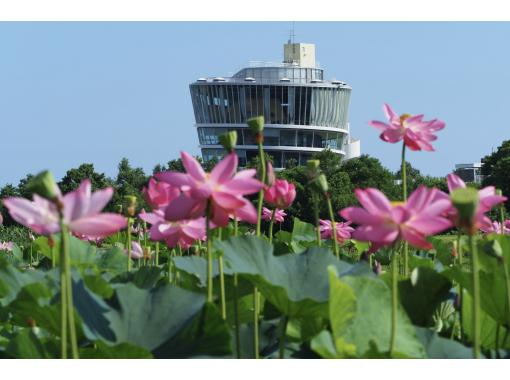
(130, 204)
(44, 184)
(322, 182)
(256, 124)
(228, 141)
(270, 176)
(465, 200)
(312, 168)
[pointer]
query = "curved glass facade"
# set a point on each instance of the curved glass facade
(325, 106)
(276, 137)
(274, 74)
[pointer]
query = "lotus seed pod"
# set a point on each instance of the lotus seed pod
(44, 184)
(228, 141)
(465, 200)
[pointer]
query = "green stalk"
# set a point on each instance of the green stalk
(404, 198)
(507, 286)
(209, 254)
(31, 255)
(69, 288)
(333, 226)
(476, 297)
(169, 265)
(255, 323)
(236, 306)
(236, 318)
(63, 300)
(262, 160)
(316, 216)
(283, 333)
(271, 223)
(129, 224)
(394, 300)
(461, 290)
(157, 253)
(222, 288)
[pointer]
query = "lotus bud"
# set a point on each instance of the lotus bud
(256, 124)
(465, 201)
(270, 176)
(312, 168)
(228, 141)
(322, 182)
(44, 184)
(131, 203)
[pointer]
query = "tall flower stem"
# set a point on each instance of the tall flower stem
(461, 290)
(316, 216)
(262, 159)
(476, 296)
(507, 286)
(222, 288)
(283, 332)
(271, 223)
(63, 301)
(157, 253)
(66, 263)
(405, 246)
(236, 305)
(333, 226)
(209, 254)
(394, 299)
(128, 233)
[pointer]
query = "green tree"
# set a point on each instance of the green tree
(75, 176)
(7, 191)
(366, 171)
(496, 169)
(129, 181)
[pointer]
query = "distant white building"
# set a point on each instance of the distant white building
(303, 112)
(469, 172)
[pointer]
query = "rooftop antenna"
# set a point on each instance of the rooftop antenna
(292, 34)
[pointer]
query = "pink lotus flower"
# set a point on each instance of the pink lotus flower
(222, 188)
(417, 133)
(159, 194)
(343, 230)
(81, 211)
(281, 194)
(497, 228)
(136, 251)
(6, 246)
(183, 233)
(383, 224)
(487, 198)
(279, 215)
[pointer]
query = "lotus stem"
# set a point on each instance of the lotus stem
(236, 306)
(63, 299)
(404, 198)
(68, 286)
(157, 254)
(394, 300)
(262, 160)
(476, 296)
(129, 224)
(222, 288)
(283, 332)
(255, 323)
(316, 216)
(333, 226)
(209, 254)
(271, 223)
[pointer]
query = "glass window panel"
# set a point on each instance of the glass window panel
(290, 159)
(287, 137)
(249, 138)
(303, 157)
(276, 157)
(319, 139)
(331, 141)
(304, 138)
(271, 137)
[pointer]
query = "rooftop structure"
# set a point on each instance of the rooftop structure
(303, 112)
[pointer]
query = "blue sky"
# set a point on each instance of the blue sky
(96, 92)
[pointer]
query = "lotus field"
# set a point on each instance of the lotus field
(208, 273)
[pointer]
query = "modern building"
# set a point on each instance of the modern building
(303, 112)
(469, 172)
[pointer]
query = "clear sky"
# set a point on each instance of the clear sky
(96, 92)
